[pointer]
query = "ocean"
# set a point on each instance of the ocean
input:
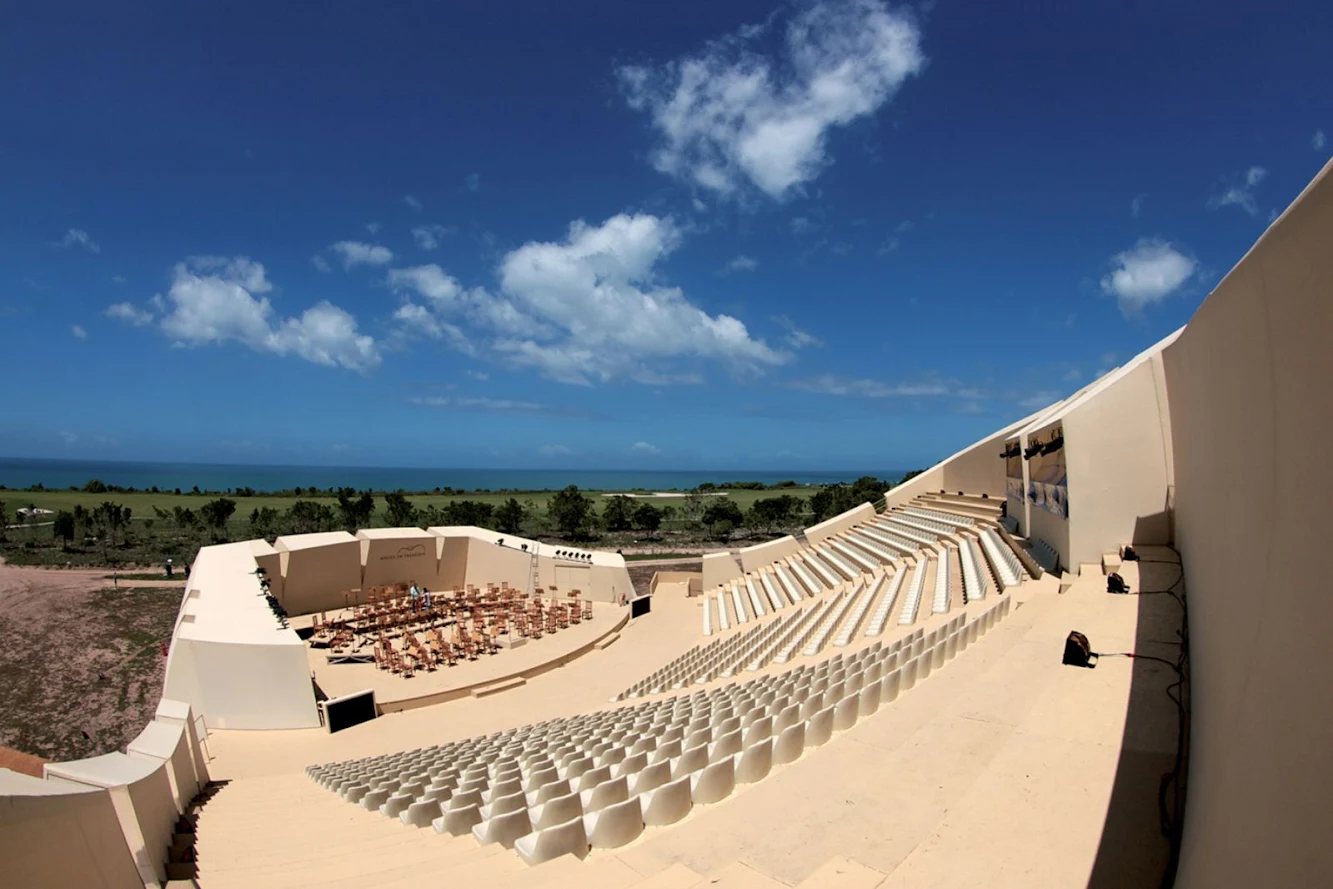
(18, 473)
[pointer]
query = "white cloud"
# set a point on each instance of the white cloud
(118, 279)
(359, 253)
(729, 115)
(1147, 273)
(411, 202)
(77, 237)
(217, 299)
(428, 236)
(472, 182)
(79, 332)
(482, 404)
(130, 314)
(1039, 399)
(69, 437)
(1241, 192)
(478, 375)
(890, 244)
(320, 263)
(796, 337)
(801, 225)
(591, 307)
(1136, 205)
(551, 450)
(741, 263)
(1318, 140)
(374, 227)
(699, 206)
(831, 384)
(643, 447)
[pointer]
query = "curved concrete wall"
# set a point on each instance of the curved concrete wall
(1251, 418)
(57, 834)
(839, 523)
(755, 557)
(718, 568)
(317, 570)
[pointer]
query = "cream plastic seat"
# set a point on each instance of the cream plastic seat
(540, 846)
(754, 762)
(667, 804)
(692, 760)
(503, 829)
(757, 731)
(790, 744)
(555, 811)
(457, 821)
(714, 783)
(420, 814)
(504, 805)
(615, 825)
(630, 765)
(847, 711)
(725, 746)
(819, 728)
(870, 698)
(650, 777)
(549, 791)
(604, 794)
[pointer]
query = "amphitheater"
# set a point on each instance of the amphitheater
(879, 701)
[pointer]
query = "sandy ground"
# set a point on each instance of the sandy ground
(78, 659)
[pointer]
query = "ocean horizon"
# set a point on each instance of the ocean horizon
(19, 473)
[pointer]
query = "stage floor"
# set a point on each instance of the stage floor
(393, 692)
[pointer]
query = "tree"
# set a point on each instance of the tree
(618, 513)
(468, 512)
(216, 513)
(264, 521)
(355, 510)
(570, 510)
(723, 516)
(307, 516)
(772, 512)
(693, 507)
(910, 475)
(401, 512)
(509, 517)
(63, 526)
(647, 517)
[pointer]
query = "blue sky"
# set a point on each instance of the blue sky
(699, 234)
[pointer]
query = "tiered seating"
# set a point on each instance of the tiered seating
(797, 630)
(908, 533)
(813, 587)
(974, 582)
(945, 518)
(738, 601)
(1045, 555)
(853, 622)
(861, 560)
(798, 639)
(758, 603)
(943, 596)
(790, 586)
(880, 618)
(892, 541)
(1004, 564)
(597, 781)
(912, 601)
(828, 554)
(816, 564)
(871, 546)
(775, 598)
(716, 659)
(819, 638)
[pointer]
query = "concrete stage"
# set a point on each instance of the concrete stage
(509, 667)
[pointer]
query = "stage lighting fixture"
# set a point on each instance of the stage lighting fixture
(1031, 451)
(525, 547)
(499, 541)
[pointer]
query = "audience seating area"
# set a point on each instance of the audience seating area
(572, 784)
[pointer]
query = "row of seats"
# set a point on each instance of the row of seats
(943, 597)
(880, 618)
(568, 785)
(819, 639)
(951, 519)
(974, 582)
(853, 621)
(924, 524)
(912, 601)
(908, 533)
(1008, 571)
(798, 639)
(1045, 555)
(859, 558)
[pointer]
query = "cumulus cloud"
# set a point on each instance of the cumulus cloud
(428, 236)
(741, 263)
(643, 447)
(483, 404)
(729, 115)
(796, 337)
(374, 227)
(411, 202)
(1318, 140)
(216, 299)
(1147, 273)
(320, 263)
(77, 237)
(552, 450)
(590, 307)
(130, 314)
(359, 253)
(79, 332)
(1241, 192)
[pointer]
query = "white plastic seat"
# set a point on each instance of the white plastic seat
(667, 804)
(847, 711)
(690, 761)
(555, 811)
(604, 794)
(714, 783)
(725, 746)
(819, 728)
(504, 805)
(790, 744)
(591, 778)
(614, 825)
(630, 764)
(665, 752)
(650, 777)
(540, 846)
(754, 762)
(420, 814)
(458, 822)
(549, 791)
(503, 829)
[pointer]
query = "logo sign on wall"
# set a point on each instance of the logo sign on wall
(413, 551)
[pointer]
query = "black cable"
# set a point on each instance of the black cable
(1141, 657)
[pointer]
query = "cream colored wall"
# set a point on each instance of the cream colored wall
(251, 685)
(755, 557)
(407, 559)
(452, 562)
(839, 523)
(978, 469)
(488, 563)
(156, 813)
(718, 568)
(1115, 457)
(315, 578)
(69, 839)
(1251, 420)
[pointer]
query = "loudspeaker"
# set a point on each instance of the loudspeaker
(1078, 652)
(1116, 584)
